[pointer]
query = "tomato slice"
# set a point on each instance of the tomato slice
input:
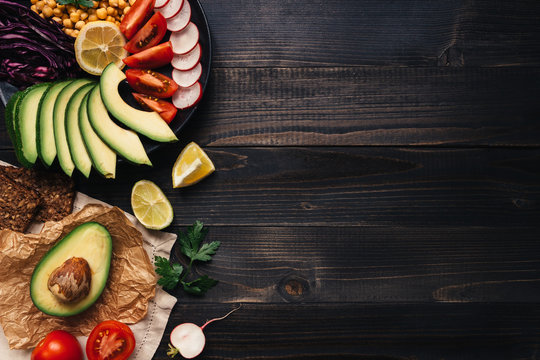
(151, 83)
(149, 35)
(165, 109)
(151, 58)
(136, 17)
(110, 340)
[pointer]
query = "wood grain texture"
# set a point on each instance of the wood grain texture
(370, 265)
(347, 186)
(370, 106)
(374, 32)
(365, 331)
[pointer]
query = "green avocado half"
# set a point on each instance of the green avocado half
(57, 269)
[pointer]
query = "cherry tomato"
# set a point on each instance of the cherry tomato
(136, 17)
(151, 58)
(165, 109)
(149, 35)
(150, 82)
(110, 340)
(58, 345)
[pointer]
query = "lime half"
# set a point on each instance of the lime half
(150, 205)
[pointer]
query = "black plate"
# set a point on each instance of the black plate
(182, 117)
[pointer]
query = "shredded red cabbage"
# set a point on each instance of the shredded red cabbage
(33, 49)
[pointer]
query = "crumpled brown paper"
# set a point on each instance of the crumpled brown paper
(131, 284)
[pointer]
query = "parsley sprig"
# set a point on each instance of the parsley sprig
(190, 246)
(78, 3)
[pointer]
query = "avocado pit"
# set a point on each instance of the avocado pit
(70, 281)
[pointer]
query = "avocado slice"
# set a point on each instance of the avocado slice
(78, 150)
(59, 124)
(125, 142)
(25, 122)
(46, 145)
(9, 115)
(91, 242)
(103, 157)
(147, 123)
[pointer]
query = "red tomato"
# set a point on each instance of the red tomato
(149, 35)
(135, 18)
(165, 109)
(110, 340)
(58, 345)
(151, 58)
(151, 83)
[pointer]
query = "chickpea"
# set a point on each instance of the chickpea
(33, 8)
(103, 4)
(33, 2)
(42, 16)
(126, 10)
(51, 3)
(47, 11)
(92, 17)
(96, 4)
(68, 31)
(75, 33)
(57, 19)
(79, 24)
(64, 17)
(39, 5)
(61, 7)
(67, 23)
(84, 16)
(70, 8)
(113, 3)
(101, 13)
(122, 4)
(110, 10)
(74, 17)
(131, 2)
(57, 12)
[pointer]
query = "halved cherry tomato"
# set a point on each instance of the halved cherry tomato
(136, 17)
(58, 345)
(110, 340)
(165, 109)
(151, 58)
(151, 83)
(149, 35)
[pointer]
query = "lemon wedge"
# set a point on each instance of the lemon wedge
(150, 205)
(191, 166)
(98, 44)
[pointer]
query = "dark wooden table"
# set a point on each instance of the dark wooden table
(377, 191)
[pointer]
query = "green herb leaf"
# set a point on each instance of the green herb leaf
(170, 274)
(86, 3)
(191, 240)
(199, 286)
(172, 352)
(206, 251)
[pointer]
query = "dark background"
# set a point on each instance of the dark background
(377, 184)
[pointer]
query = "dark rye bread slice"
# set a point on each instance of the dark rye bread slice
(18, 205)
(57, 191)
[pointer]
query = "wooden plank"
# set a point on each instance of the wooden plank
(370, 106)
(349, 186)
(366, 106)
(370, 264)
(374, 32)
(364, 331)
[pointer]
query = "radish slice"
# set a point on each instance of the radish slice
(186, 39)
(188, 60)
(171, 8)
(186, 78)
(186, 97)
(160, 3)
(180, 20)
(189, 339)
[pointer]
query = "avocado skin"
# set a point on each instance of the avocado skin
(78, 245)
(10, 126)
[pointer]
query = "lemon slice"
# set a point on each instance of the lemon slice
(98, 44)
(150, 206)
(192, 166)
